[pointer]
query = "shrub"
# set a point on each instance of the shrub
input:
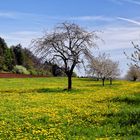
(74, 74)
(20, 70)
(33, 72)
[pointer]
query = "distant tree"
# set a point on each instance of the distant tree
(65, 46)
(133, 73)
(30, 61)
(18, 54)
(9, 59)
(135, 56)
(103, 68)
(113, 70)
(3, 48)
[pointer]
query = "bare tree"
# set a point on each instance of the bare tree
(103, 68)
(113, 70)
(66, 46)
(133, 73)
(135, 56)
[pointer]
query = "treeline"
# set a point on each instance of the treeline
(17, 59)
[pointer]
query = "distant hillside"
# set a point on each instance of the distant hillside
(16, 59)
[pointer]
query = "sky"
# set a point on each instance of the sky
(117, 22)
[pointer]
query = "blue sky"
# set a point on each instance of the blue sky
(118, 20)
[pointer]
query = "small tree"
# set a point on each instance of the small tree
(65, 46)
(135, 56)
(113, 70)
(133, 73)
(103, 68)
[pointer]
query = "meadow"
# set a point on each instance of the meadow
(39, 109)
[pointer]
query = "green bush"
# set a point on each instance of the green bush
(74, 74)
(48, 73)
(20, 70)
(40, 72)
(33, 72)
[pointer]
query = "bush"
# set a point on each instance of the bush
(20, 70)
(33, 72)
(74, 74)
(42, 72)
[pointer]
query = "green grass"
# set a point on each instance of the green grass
(39, 108)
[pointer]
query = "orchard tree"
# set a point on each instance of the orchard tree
(103, 68)
(133, 74)
(113, 70)
(66, 46)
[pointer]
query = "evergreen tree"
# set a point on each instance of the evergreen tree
(3, 48)
(8, 59)
(18, 54)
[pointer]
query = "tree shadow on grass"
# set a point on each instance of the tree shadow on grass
(99, 84)
(133, 100)
(57, 90)
(123, 122)
(99, 81)
(128, 115)
(88, 79)
(127, 118)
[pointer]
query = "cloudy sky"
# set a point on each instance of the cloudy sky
(118, 22)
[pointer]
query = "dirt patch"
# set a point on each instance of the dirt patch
(12, 75)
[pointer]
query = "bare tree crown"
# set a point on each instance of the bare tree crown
(103, 67)
(65, 45)
(135, 56)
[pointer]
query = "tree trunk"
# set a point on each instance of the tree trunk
(110, 81)
(103, 81)
(97, 79)
(69, 82)
(135, 78)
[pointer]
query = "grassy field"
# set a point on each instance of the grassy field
(39, 109)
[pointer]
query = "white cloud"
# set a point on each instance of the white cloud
(20, 15)
(119, 37)
(120, 2)
(22, 37)
(132, 1)
(116, 2)
(91, 18)
(40, 18)
(7, 15)
(129, 20)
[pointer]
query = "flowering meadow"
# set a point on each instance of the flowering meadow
(39, 109)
